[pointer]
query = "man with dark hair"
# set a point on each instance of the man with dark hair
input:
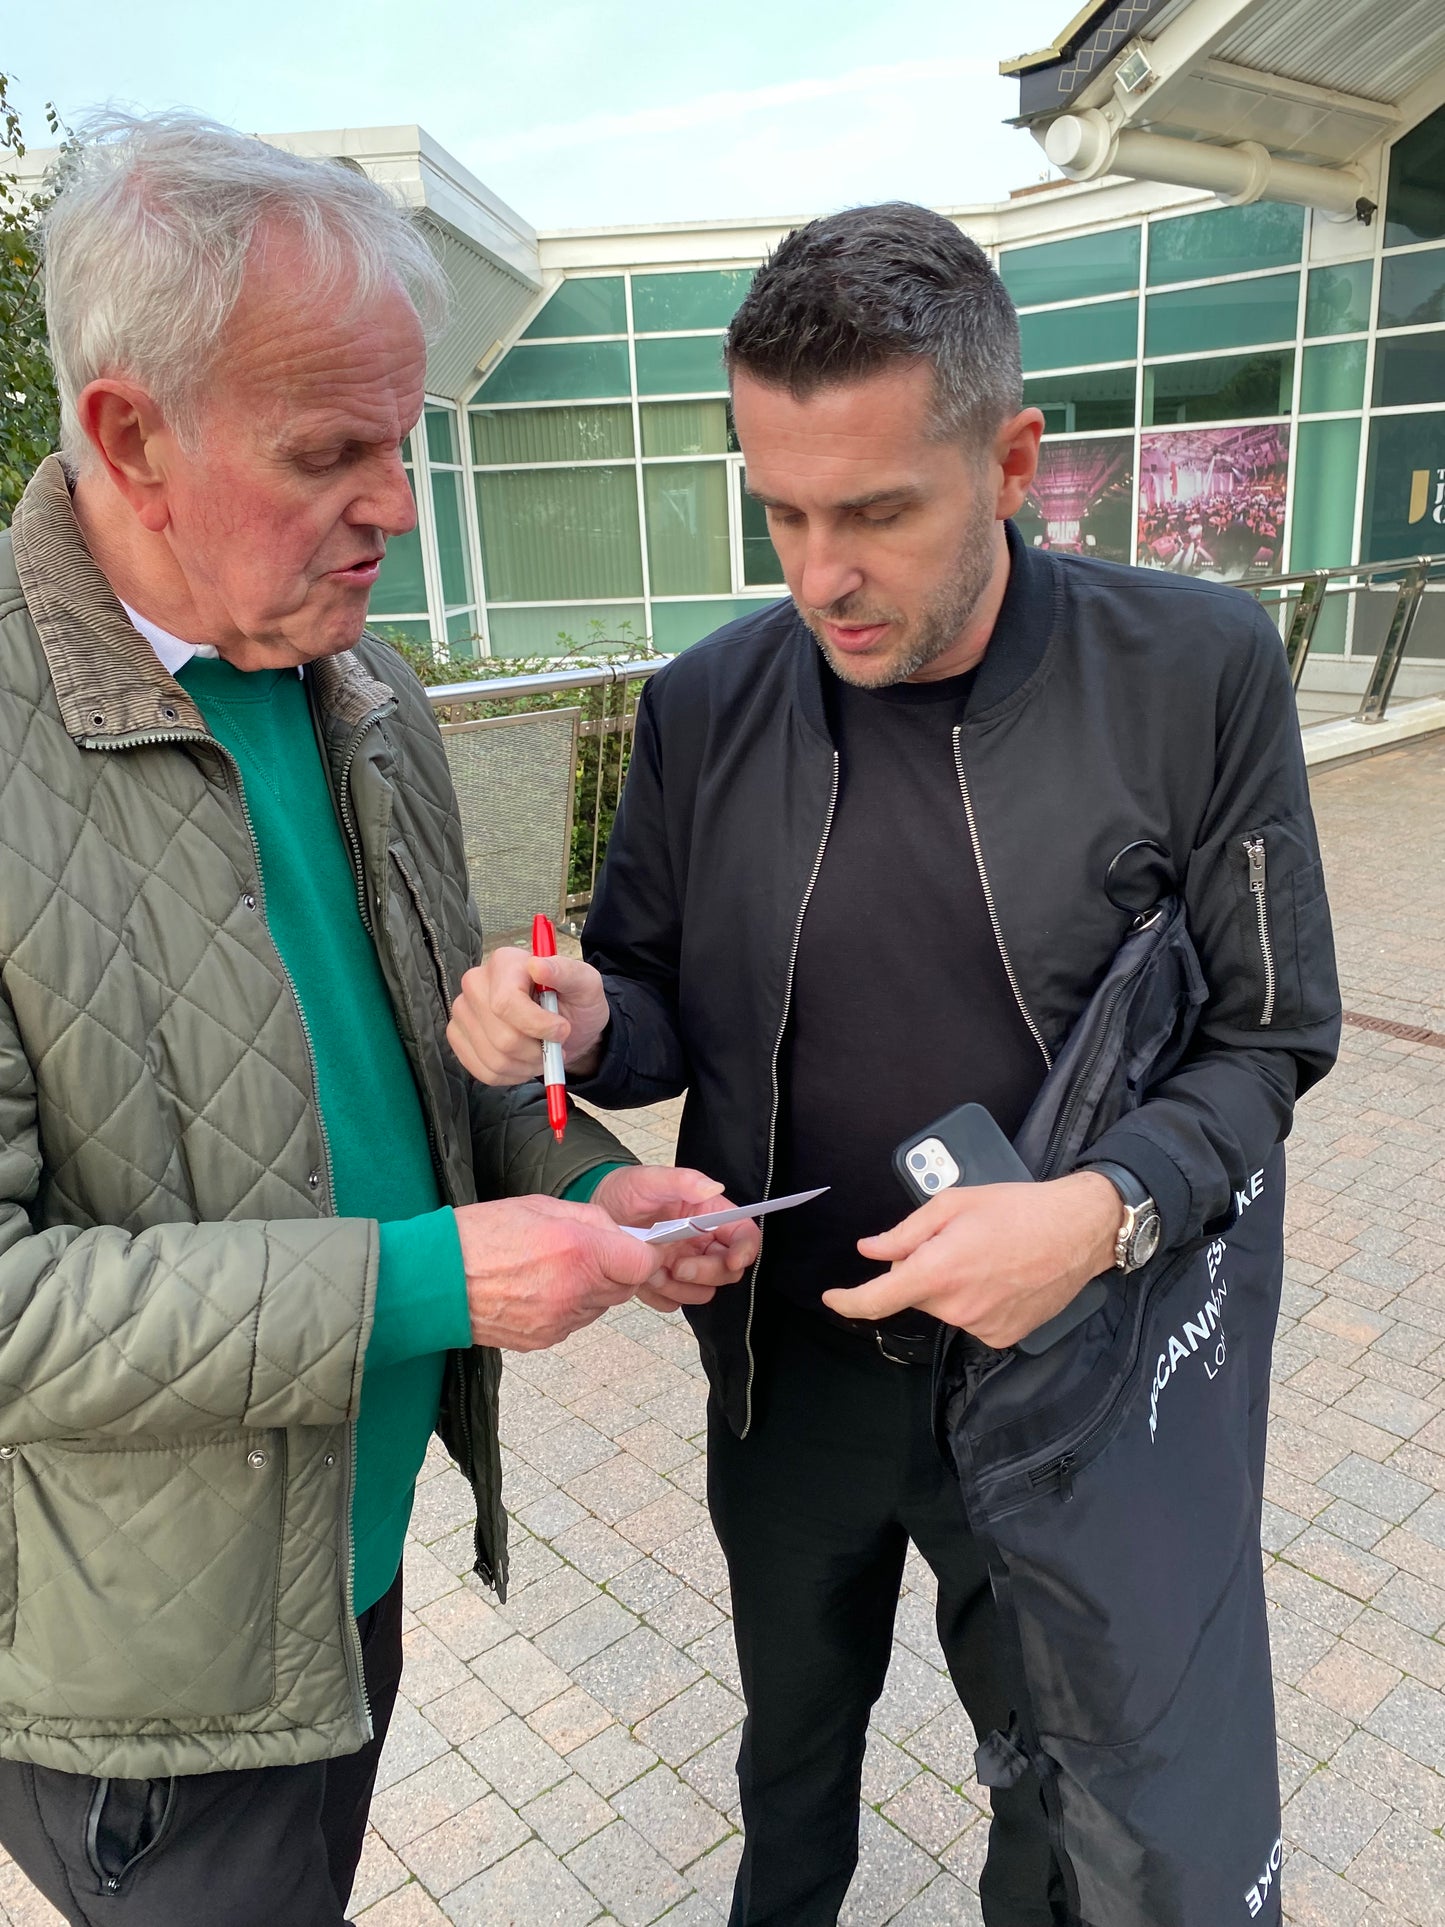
(857, 884)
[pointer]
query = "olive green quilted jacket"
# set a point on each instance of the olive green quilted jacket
(183, 1319)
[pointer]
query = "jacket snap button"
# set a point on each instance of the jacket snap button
(8, 1451)
(249, 899)
(256, 1459)
(97, 720)
(313, 1180)
(330, 1459)
(169, 712)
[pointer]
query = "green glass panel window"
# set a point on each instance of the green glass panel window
(687, 428)
(566, 630)
(586, 305)
(401, 586)
(1404, 488)
(1333, 377)
(688, 549)
(1067, 337)
(446, 498)
(1415, 201)
(1102, 398)
(1337, 301)
(1231, 316)
(1226, 388)
(1224, 240)
(441, 434)
(417, 631)
(1409, 369)
(568, 371)
(760, 559)
(1412, 290)
(551, 434)
(559, 534)
(710, 299)
(691, 365)
(677, 625)
(1327, 462)
(1069, 270)
(462, 632)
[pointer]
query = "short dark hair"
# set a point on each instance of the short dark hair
(856, 292)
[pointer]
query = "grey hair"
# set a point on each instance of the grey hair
(146, 246)
(871, 287)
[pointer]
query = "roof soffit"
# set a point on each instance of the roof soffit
(1311, 80)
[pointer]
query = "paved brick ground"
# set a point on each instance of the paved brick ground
(568, 1759)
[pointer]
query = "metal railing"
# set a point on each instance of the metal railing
(607, 696)
(1397, 591)
(1375, 607)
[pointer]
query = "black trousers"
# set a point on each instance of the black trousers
(815, 1509)
(268, 1847)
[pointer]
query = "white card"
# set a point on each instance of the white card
(675, 1231)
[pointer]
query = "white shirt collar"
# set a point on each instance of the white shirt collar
(173, 653)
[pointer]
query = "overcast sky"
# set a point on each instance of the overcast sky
(586, 112)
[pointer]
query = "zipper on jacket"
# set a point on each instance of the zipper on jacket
(1259, 890)
(1059, 1474)
(777, 1053)
(343, 810)
(1024, 1012)
(361, 1699)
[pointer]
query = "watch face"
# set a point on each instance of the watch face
(1145, 1243)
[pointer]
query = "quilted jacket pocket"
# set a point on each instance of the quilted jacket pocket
(147, 1578)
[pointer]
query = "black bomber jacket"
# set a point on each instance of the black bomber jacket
(1134, 708)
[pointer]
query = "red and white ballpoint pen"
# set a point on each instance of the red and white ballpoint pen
(544, 944)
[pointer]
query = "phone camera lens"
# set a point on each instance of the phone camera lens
(917, 1161)
(932, 1181)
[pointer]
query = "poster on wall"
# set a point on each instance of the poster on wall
(1405, 487)
(1211, 501)
(1082, 497)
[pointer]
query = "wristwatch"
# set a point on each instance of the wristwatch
(1138, 1238)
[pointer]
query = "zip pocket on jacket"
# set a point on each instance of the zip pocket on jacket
(1259, 890)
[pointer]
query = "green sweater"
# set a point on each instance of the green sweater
(381, 1163)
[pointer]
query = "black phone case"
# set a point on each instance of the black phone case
(984, 1156)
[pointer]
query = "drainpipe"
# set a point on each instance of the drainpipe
(1085, 145)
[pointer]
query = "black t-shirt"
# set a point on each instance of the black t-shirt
(901, 1006)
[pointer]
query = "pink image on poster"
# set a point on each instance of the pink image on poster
(1211, 500)
(1082, 497)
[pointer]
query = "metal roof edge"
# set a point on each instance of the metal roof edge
(1083, 21)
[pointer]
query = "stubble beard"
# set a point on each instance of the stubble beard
(937, 626)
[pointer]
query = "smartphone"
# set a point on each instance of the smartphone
(967, 1147)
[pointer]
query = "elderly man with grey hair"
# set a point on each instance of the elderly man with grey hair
(259, 1232)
